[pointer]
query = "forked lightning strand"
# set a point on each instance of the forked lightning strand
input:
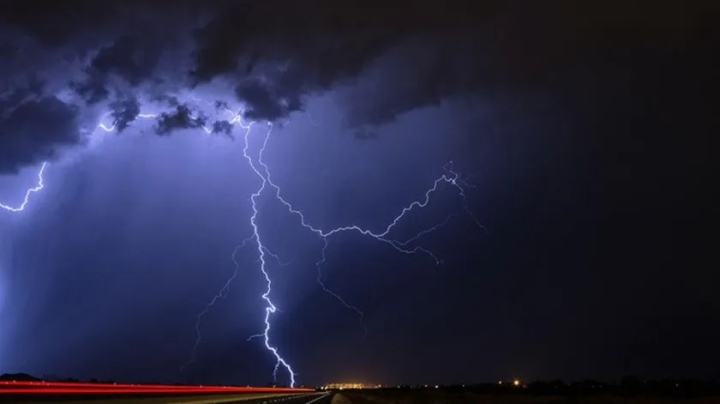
(40, 180)
(262, 171)
(450, 177)
(270, 309)
(37, 188)
(221, 294)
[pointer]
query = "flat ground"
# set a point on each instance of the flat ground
(440, 397)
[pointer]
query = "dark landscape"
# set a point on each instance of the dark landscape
(629, 391)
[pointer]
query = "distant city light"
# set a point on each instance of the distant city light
(349, 386)
(516, 382)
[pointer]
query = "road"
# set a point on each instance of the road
(314, 398)
(300, 398)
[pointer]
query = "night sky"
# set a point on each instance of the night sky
(581, 132)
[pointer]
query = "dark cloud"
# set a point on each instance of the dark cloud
(92, 89)
(129, 57)
(223, 127)
(170, 100)
(267, 102)
(56, 24)
(365, 134)
(124, 111)
(182, 118)
(385, 59)
(34, 87)
(278, 60)
(34, 131)
(422, 52)
(8, 49)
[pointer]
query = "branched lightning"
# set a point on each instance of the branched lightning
(320, 281)
(262, 172)
(270, 309)
(222, 294)
(450, 177)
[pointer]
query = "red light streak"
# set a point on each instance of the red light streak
(123, 385)
(25, 387)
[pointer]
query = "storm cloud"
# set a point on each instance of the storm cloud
(181, 118)
(124, 111)
(35, 131)
(384, 59)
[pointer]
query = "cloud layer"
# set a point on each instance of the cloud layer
(271, 56)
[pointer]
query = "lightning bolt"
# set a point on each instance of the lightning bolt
(450, 177)
(221, 294)
(28, 194)
(327, 290)
(270, 309)
(262, 172)
(40, 180)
